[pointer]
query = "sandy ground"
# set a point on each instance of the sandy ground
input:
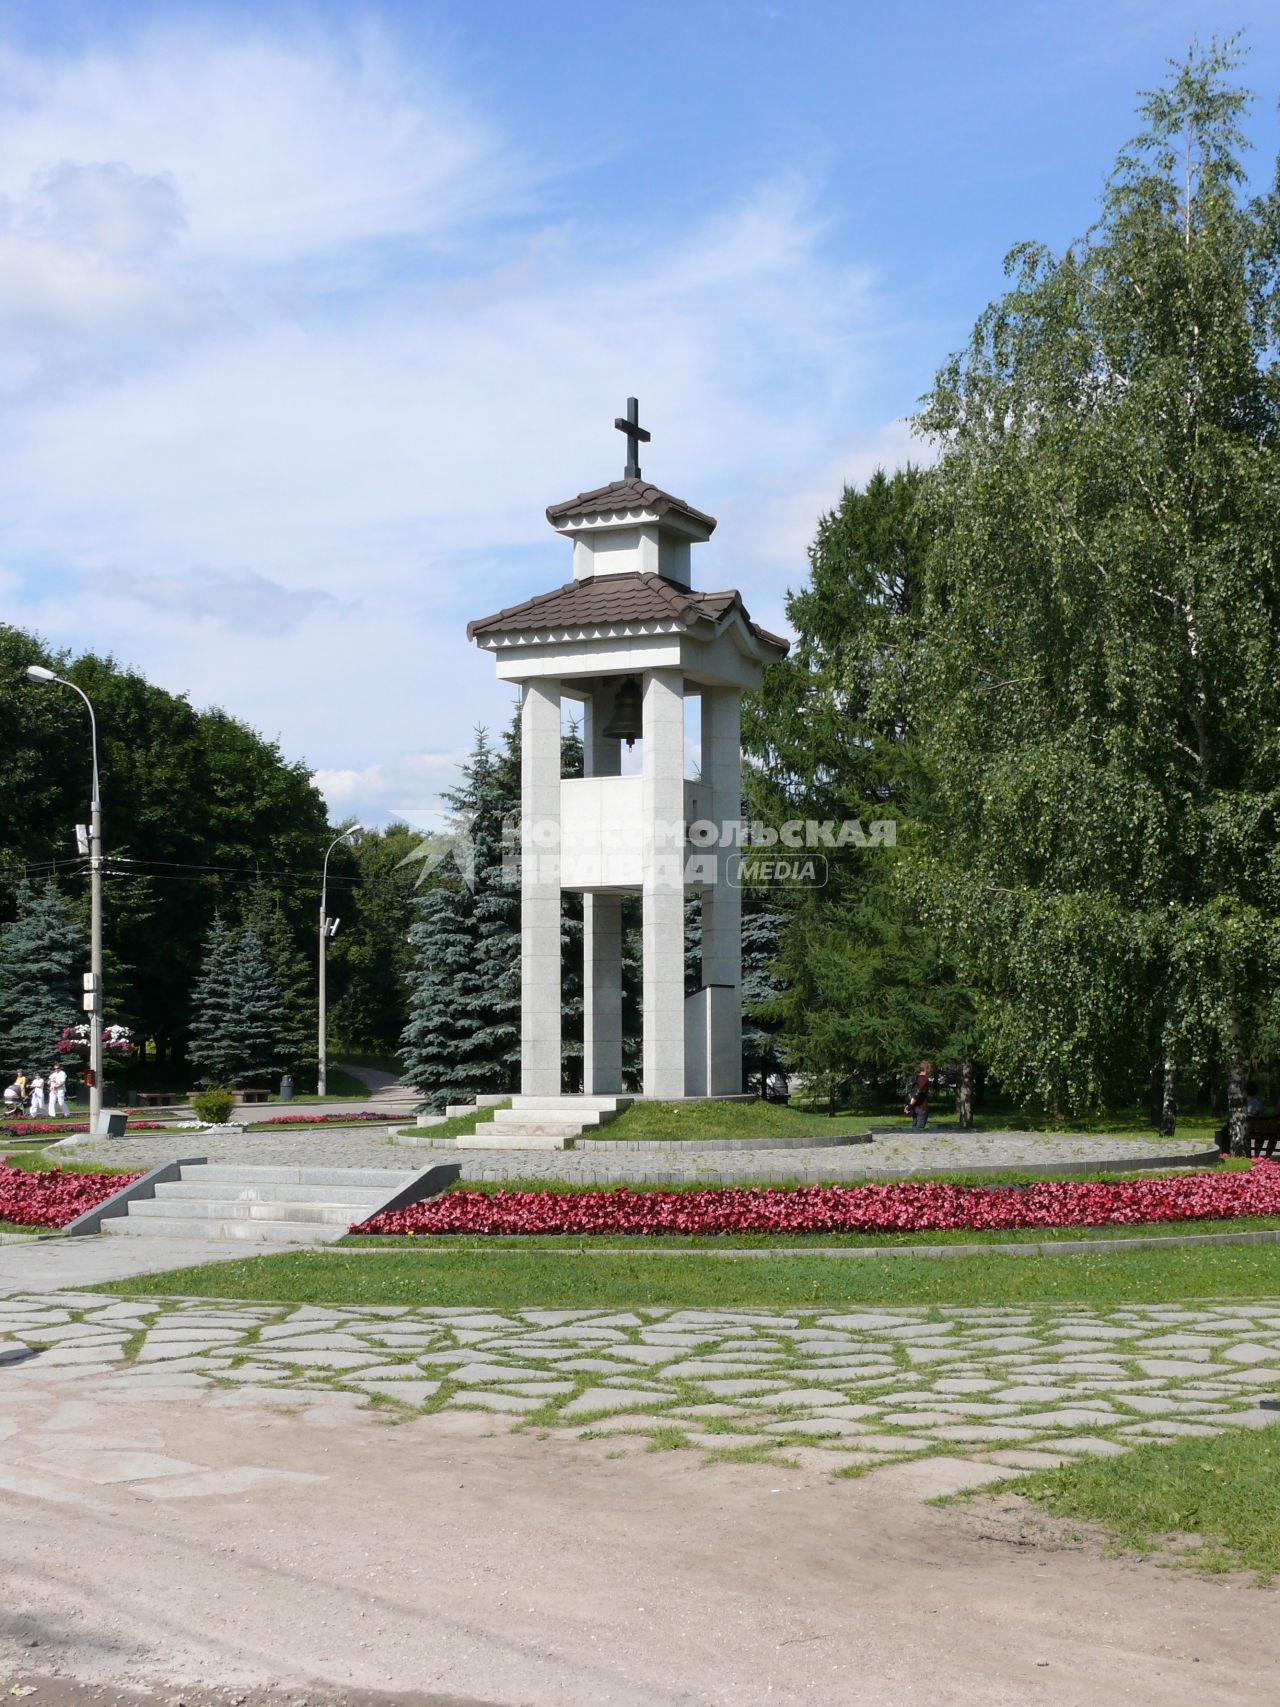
(201, 1547)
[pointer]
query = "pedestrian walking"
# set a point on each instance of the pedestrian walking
(37, 1096)
(56, 1085)
(918, 1102)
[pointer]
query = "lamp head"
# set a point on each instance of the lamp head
(38, 673)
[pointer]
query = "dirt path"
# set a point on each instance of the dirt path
(179, 1541)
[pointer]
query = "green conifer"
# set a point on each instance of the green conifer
(42, 955)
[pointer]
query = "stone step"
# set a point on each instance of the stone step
(540, 1125)
(241, 1209)
(248, 1232)
(191, 1188)
(535, 1120)
(504, 1138)
(388, 1180)
(568, 1104)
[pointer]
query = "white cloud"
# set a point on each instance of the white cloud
(107, 207)
(284, 454)
(239, 600)
(281, 145)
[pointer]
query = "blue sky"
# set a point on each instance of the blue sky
(307, 311)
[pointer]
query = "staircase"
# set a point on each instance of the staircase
(295, 1206)
(543, 1123)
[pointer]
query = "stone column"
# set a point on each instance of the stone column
(601, 994)
(721, 902)
(662, 882)
(540, 889)
(601, 927)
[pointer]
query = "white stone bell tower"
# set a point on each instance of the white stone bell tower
(630, 641)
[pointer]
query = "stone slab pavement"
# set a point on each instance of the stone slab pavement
(848, 1390)
(643, 1508)
(903, 1153)
(31, 1263)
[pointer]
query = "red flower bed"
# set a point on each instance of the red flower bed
(63, 1129)
(51, 1198)
(322, 1119)
(913, 1207)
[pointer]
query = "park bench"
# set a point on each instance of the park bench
(1264, 1130)
(251, 1095)
(158, 1099)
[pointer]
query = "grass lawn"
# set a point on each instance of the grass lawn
(529, 1278)
(702, 1120)
(454, 1128)
(35, 1160)
(1213, 1504)
(623, 1244)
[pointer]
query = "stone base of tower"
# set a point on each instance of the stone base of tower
(556, 1123)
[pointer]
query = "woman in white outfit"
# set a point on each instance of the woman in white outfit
(57, 1088)
(37, 1096)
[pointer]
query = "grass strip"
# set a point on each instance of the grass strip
(528, 1278)
(1209, 1504)
(718, 1243)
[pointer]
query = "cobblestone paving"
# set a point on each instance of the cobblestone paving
(850, 1390)
(897, 1154)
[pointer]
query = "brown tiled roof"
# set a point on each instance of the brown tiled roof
(599, 601)
(625, 495)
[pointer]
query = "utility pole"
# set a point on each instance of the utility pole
(325, 933)
(94, 1005)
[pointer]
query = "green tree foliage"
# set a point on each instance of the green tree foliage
(237, 1015)
(860, 988)
(463, 1033)
(1097, 676)
(42, 955)
(371, 960)
(264, 915)
(194, 805)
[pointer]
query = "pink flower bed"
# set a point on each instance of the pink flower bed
(51, 1198)
(65, 1129)
(912, 1207)
(322, 1119)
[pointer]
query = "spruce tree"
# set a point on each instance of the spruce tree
(237, 1015)
(42, 955)
(762, 926)
(463, 1034)
(291, 972)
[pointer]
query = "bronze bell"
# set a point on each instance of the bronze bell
(627, 720)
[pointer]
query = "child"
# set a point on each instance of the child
(37, 1095)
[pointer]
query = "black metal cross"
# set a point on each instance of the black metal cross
(636, 436)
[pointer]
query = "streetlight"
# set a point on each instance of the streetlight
(325, 934)
(93, 994)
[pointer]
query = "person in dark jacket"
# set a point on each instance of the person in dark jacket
(918, 1102)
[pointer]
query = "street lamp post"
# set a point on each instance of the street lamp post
(94, 1005)
(322, 1073)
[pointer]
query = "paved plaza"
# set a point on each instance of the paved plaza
(898, 1153)
(843, 1391)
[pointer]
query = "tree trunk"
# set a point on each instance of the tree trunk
(964, 1096)
(1169, 1099)
(1237, 1117)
